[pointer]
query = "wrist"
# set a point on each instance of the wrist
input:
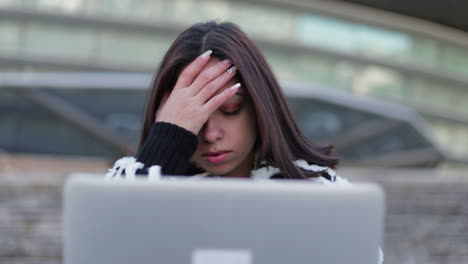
(191, 129)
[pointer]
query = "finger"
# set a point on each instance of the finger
(216, 101)
(209, 74)
(211, 88)
(187, 76)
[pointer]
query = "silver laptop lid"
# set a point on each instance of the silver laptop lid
(209, 221)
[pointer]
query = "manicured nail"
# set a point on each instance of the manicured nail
(235, 86)
(227, 61)
(207, 53)
(232, 69)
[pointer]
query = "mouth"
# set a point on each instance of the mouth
(216, 157)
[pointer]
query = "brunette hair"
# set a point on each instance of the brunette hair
(279, 141)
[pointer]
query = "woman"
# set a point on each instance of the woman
(222, 113)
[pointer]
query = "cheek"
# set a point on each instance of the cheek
(251, 128)
(245, 131)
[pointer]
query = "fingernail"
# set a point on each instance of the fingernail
(206, 54)
(227, 61)
(235, 86)
(232, 69)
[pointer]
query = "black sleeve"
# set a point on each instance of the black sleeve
(168, 146)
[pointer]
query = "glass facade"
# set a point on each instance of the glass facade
(56, 40)
(329, 54)
(273, 23)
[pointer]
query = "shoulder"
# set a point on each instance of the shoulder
(333, 178)
(126, 168)
(270, 172)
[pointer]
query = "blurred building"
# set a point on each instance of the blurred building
(375, 78)
(388, 89)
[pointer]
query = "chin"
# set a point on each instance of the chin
(218, 170)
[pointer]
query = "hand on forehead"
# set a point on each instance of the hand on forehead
(212, 62)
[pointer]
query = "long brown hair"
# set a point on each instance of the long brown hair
(279, 141)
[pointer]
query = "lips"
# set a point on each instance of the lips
(216, 157)
(215, 153)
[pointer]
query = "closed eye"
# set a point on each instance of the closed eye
(231, 109)
(230, 113)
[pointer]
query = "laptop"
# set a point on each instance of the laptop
(179, 220)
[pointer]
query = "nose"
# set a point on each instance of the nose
(212, 131)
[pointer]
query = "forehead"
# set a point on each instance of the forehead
(213, 61)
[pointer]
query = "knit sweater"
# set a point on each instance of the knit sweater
(167, 151)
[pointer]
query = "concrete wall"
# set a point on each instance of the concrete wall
(427, 216)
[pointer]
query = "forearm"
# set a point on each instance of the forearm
(168, 146)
